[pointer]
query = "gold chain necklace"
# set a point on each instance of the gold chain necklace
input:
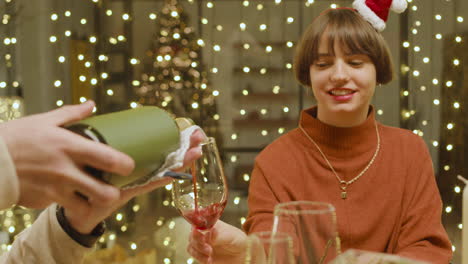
(344, 184)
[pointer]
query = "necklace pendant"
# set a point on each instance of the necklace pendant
(343, 195)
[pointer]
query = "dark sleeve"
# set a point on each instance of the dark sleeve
(422, 235)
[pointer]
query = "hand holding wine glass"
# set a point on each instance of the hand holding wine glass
(202, 199)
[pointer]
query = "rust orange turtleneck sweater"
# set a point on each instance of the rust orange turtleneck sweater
(395, 207)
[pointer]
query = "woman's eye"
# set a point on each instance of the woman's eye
(321, 64)
(356, 62)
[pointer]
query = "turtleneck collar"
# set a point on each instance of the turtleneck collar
(340, 142)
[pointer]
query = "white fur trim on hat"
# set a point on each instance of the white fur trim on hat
(399, 6)
(369, 15)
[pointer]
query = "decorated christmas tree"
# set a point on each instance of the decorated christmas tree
(174, 78)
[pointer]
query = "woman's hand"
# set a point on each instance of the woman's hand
(224, 243)
(49, 160)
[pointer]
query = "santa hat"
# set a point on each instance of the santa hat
(376, 11)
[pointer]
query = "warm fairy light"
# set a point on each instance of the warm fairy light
(276, 89)
(435, 143)
(246, 46)
(134, 61)
(415, 73)
(456, 105)
(457, 189)
(57, 83)
(121, 38)
(123, 228)
(204, 21)
(446, 167)
(216, 48)
(263, 70)
(83, 99)
(289, 44)
(216, 117)
(449, 83)
(288, 65)
(67, 33)
(286, 109)
(277, 2)
(53, 39)
(83, 21)
(93, 81)
(448, 209)
(460, 19)
(174, 14)
(380, 112)
(438, 17)
(3, 85)
(262, 27)
(438, 36)
(168, 187)
(405, 93)
(290, 20)
(82, 78)
(259, 7)
(263, 111)
(245, 3)
(456, 62)
(245, 92)
(460, 226)
(426, 60)
(268, 49)
(61, 59)
(414, 31)
(450, 126)
(133, 105)
(136, 83)
(435, 81)
(236, 200)
(59, 103)
(417, 49)
(125, 16)
(281, 130)
(152, 16)
(246, 69)
(234, 136)
(209, 5)
(214, 70)
(194, 105)
(458, 39)
(54, 17)
(88, 64)
(414, 8)
(233, 158)
(264, 133)
(334, 6)
(246, 177)
(219, 28)
(92, 39)
(242, 112)
(80, 57)
(67, 13)
(215, 93)
(109, 12)
(242, 26)
(406, 44)
(104, 75)
(119, 217)
(436, 101)
(449, 147)
(200, 42)
(133, 246)
(422, 88)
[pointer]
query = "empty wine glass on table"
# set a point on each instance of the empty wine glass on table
(269, 248)
(313, 228)
(202, 199)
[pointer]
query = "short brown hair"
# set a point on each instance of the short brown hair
(353, 32)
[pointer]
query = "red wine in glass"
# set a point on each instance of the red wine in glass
(202, 200)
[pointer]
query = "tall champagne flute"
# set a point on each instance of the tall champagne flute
(269, 248)
(202, 200)
(313, 227)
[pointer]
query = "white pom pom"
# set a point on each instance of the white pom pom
(398, 6)
(369, 15)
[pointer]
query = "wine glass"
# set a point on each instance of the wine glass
(269, 248)
(201, 200)
(312, 225)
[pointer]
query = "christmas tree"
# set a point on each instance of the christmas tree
(174, 78)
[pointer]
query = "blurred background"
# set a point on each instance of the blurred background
(227, 64)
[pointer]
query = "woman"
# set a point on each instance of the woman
(379, 178)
